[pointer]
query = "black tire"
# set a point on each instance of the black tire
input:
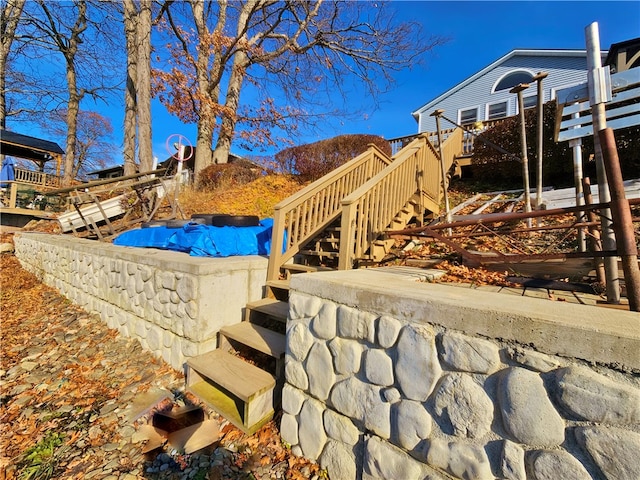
(177, 223)
(206, 218)
(154, 223)
(235, 221)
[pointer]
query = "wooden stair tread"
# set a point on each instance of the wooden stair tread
(232, 373)
(270, 306)
(296, 267)
(257, 337)
(281, 284)
(318, 253)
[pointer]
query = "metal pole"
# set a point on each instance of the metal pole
(576, 149)
(523, 136)
(622, 219)
(538, 78)
(597, 97)
(443, 169)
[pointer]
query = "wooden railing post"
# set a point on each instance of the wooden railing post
(13, 196)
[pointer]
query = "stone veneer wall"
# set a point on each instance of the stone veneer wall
(390, 378)
(172, 303)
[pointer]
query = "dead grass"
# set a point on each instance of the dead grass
(258, 197)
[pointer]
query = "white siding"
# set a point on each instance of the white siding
(562, 70)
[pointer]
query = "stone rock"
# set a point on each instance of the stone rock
(319, 367)
(347, 355)
(614, 450)
(533, 360)
(311, 436)
(417, 367)
(469, 354)
(296, 374)
(555, 464)
(187, 288)
(362, 402)
(412, 423)
(463, 404)
(324, 325)
(303, 306)
(339, 460)
(356, 324)
(378, 367)
(527, 413)
(391, 395)
(289, 429)
(512, 465)
(388, 330)
(595, 398)
(299, 340)
(466, 461)
(292, 399)
(341, 428)
(383, 461)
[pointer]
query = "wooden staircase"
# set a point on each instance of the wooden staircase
(338, 222)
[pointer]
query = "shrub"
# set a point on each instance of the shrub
(314, 160)
(488, 165)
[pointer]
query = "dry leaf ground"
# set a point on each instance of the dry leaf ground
(65, 383)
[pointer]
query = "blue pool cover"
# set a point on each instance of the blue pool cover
(203, 240)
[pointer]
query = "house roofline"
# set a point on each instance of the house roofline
(512, 53)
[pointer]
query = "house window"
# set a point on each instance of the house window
(512, 79)
(468, 116)
(530, 101)
(497, 110)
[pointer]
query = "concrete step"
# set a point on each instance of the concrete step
(237, 390)
(259, 338)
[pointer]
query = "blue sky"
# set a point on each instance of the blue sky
(480, 32)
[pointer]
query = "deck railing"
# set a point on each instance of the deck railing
(33, 177)
(306, 213)
(467, 139)
(414, 173)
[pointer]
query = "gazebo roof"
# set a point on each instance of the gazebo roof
(31, 148)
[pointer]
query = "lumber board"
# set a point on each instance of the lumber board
(257, 337)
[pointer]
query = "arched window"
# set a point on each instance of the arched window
(512, 79)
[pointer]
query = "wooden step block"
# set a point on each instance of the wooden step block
(237, 390)
(257, 337)
(269, 307)
(278, 289)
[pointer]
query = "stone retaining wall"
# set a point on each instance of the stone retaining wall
(173, 303)
(391, 378)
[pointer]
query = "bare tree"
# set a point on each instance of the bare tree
(78, 33)
(298, 48)
(94, 147)
(9, 19)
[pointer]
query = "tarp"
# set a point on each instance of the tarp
(7, 172)
(203, 240)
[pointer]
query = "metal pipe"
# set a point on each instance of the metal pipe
(518, 89)
(538, 78)
(598, 114)
(622, 221)
(443, 170)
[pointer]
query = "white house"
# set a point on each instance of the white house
(485, 95)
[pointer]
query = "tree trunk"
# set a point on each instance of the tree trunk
(73, 106)
(129, 153)
(9, 22)
(145, 153)
(207, 92)
(232, 100)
